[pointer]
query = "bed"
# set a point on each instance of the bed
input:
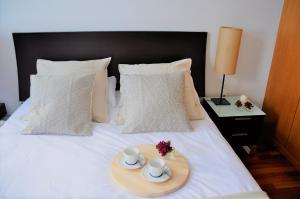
(47, 166)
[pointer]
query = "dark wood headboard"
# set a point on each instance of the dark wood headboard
(123, 47)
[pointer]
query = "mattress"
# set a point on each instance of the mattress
(50, 166)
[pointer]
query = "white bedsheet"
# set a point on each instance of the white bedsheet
(47, 166)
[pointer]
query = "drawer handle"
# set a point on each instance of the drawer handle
(239, 134)
(242, 118)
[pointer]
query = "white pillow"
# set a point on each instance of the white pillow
(191, 98)
(97, 67)
(112, 98)
(60, 105)
(153, 103)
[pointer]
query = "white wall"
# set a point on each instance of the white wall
(258, 18)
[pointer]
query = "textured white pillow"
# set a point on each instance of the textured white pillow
(153, 103)
(97, 67)
(60, 105)
(191, 98)
(112, 98)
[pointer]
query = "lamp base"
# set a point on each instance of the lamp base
(217, 101)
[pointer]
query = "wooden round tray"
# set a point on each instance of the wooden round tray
(133, 181)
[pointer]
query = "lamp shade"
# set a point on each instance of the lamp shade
(228, 50)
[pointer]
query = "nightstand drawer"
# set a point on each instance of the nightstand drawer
(241, 123)
(242, 136)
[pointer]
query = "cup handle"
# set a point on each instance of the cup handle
(165, 169)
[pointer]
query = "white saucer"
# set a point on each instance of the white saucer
(140, 163)
(164, 177)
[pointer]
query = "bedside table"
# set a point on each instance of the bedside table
(2, 110)
(2, 113)
(239, 127)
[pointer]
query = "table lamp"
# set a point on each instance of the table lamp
(227, 55)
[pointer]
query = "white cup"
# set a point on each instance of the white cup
(156, 167)
(131, 155)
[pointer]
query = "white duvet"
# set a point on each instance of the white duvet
(50, 166)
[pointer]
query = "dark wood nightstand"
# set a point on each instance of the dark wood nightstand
(2, 110)
(239, 126)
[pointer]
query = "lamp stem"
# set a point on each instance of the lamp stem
(221, 96)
